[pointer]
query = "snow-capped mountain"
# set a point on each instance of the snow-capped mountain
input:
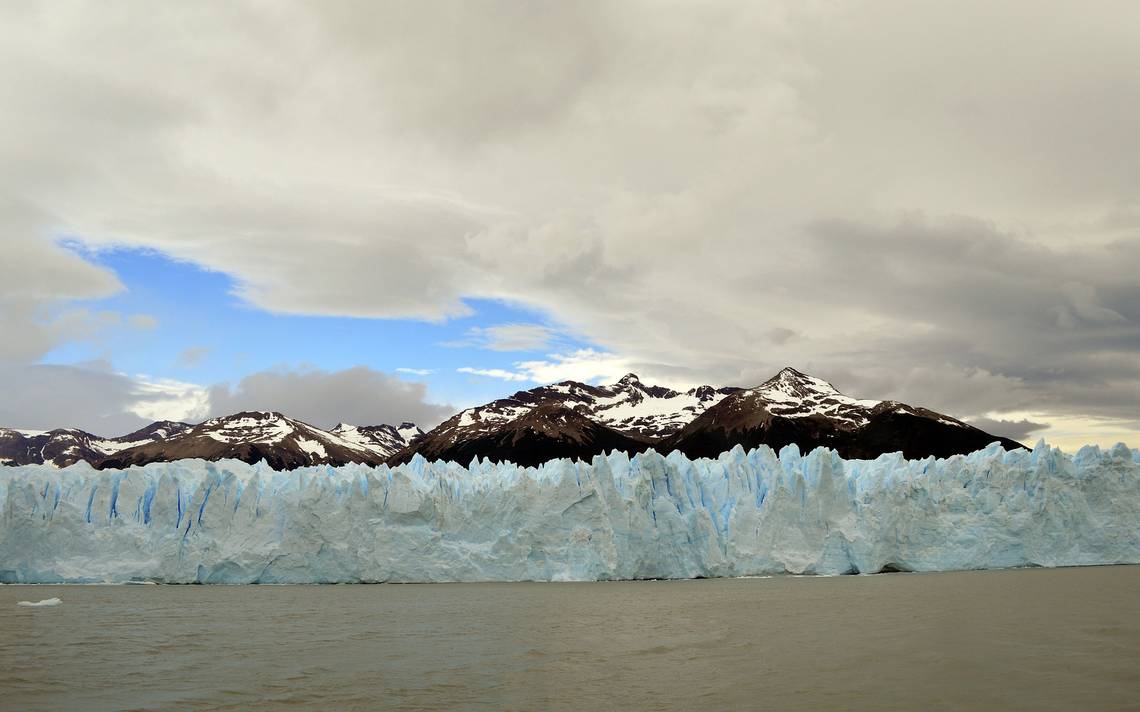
(633, 407)
(65, 446)
(281, 441)
(629, 415)
(628, 406)
(791, 407)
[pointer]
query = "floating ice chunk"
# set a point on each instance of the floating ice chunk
(46, 603)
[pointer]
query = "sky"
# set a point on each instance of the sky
(382, 212)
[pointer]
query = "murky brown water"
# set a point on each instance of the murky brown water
(1005, 640)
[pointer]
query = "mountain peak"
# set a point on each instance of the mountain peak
(799, 382)
(787, 373)
(629, 379)
(258, 414)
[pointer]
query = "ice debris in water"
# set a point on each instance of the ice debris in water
(650, 516)
(46, 603)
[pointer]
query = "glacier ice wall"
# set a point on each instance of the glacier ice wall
(652, 516)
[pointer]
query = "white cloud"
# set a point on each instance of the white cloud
(499, 373)
(416, 371)
(169, 399)
(586, 365)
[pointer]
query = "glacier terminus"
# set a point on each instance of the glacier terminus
(650, 516)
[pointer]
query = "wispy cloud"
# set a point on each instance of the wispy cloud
(416, 371)
(144, 322)
(192, 356)
(507, 337)
(517, 337)
(494, 373)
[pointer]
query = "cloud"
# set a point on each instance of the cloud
(191, 356)
(91, 398)
(494, 373)
(508, 337)
(416, 371)
(710, 190)
(169, 399)
(42, 282)
(587, 366)
(359, 395)
(95, 398)
(144, 322)
(1014, 429)
(1084, 304)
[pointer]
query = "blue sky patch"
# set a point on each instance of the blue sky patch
(205, 334)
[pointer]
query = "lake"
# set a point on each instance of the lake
(1031, 639)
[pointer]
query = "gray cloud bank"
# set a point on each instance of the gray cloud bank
(359, 396)
(944, 216)
(94, 398)
(1019, 430)
(43, 397)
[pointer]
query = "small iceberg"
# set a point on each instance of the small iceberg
(40, 604)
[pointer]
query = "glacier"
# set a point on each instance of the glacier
(650, 516)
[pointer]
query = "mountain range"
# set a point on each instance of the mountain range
(577, 420)
(283, 442)
(563, 420)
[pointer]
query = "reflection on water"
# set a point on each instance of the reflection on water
(1009, 640)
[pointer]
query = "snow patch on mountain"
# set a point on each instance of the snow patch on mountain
(408, 432)
(312, 447)
(257, 427)
(106, 447)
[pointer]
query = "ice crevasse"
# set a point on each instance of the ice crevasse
(650, 516)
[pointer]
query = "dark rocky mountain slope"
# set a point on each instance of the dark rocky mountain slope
(545, 432)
